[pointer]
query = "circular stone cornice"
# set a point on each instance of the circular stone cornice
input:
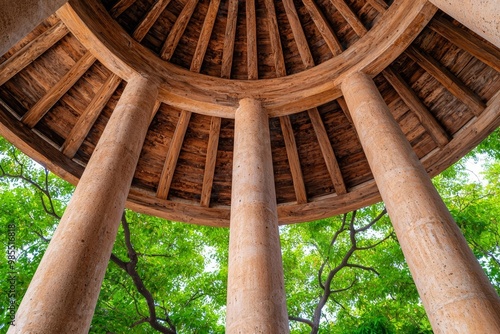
(89, 21)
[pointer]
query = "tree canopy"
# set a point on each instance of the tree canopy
(345, 274)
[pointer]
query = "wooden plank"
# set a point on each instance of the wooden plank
(324, 27)
(447, 79)
(252, 57)
(149, 19)
(31, 51)
(298, 33)
(274, 36)
(119, 7)
(410, 98)
(206, 32)
(174, 150)
(56, 92)
(350, 17)
(462, 38)
(89, 116)
(293, 160)
(167, 51)
(379, 5)
(229, 37)
(208, 177)
(327, 150)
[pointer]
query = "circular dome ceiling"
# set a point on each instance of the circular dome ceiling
(245, 39)
(59, 86)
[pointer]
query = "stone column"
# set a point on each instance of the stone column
(19, 17)
(63, 293)
(480, 16)
(256, 295)
(456, 294)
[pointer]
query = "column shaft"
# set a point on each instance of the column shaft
(19, 17)
(456, 293)
(63, 293)
(480, 16)
(256, 296)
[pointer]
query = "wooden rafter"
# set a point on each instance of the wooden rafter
(174, 150)
(229, 37)
(447, 79)
(327, 150)
(31, 51)
(411, 99)
(350, 17)
(379, 5)
(206, 31)
(208, 177)
(293, 159)
(324, 27)
(252, 57)
(56, 92)
(121, 6)
(178, 29)
(149, 19)
(462, 38)
(89, 116)
(274, 36)
(298, 33)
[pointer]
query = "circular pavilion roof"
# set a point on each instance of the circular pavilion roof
(60, 84)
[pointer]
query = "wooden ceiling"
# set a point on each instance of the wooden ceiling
(60, 84)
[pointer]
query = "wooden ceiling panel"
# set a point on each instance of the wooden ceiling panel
(156, 144)
(285, 192)
(85, 151)
(316, 177)
(221, 191)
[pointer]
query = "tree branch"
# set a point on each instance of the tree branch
(131, 270)
(299, 319)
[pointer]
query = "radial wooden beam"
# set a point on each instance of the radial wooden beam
(252, 56)
(274, 36)
(229, 37)
(174, 150)
(324, 27)
(31, 51)
(298, 33)
(462, 38)
(293, 159)
(410, 98)
(178, 29)
(327, 150)
(350, 17)
(56, 92)
(379, 5)
(149, 19)
(208, 177)
(89, 116)
(447, 79)
(206, 32)
(121, 6)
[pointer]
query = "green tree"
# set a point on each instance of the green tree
(344, 274)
